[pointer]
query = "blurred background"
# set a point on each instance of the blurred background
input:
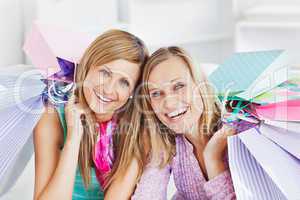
(210, 30)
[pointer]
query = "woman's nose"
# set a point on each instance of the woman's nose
(169, 103)
(109, 87)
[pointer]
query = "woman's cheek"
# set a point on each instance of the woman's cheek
(155, 109)
(188, 95)
(87, 94)
(198, 106)
(122, 100)
(155, 104)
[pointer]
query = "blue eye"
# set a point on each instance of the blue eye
(155, 94)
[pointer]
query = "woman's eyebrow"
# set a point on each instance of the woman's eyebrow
(152, 88)
(171, 81)
(175, 79)
(107, 68)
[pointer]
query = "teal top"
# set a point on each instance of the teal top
(80, 193)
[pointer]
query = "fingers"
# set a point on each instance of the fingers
(228, 130)
(83, 119)
(72, 107)
(248, 119)
(75, 94)
(73, 99)
(74, 103)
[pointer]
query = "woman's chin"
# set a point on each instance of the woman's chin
(177, 129)
(180, 128)
(101, 110)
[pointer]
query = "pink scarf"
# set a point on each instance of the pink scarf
(103, 156)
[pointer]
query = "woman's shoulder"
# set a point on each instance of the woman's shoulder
(49, 127)
(50, 116)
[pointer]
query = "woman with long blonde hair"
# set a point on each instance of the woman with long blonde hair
(182, 121)
(73, 143)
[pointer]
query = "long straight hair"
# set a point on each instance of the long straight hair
(146, 138)
(110, 46)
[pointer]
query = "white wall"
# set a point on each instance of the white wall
(11, 32)
(205, 27)
(87, 15)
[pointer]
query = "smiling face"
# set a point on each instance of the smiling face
(107, 87)
(173, 95)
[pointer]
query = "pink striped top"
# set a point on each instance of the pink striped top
(188, 177)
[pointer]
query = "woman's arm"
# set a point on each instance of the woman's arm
(55, 168)
(219, 185)
(123, 187)
(214, 151)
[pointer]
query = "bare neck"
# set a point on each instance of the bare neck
(103, 117)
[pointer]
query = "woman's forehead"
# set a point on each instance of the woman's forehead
(169, 71)
(121, 67)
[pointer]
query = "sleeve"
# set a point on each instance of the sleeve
(177, 196)
(153, 183)
(220, 187)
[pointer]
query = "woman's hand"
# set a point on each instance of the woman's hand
(214, 151)
(74, 114)
(217, 144)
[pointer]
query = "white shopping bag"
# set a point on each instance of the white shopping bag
(261, 169)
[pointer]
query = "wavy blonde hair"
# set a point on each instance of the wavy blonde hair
(145, 137)
(110, 46)
(162, 139)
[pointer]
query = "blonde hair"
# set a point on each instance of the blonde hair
(161, 137)
(146, 138)
(110, 46)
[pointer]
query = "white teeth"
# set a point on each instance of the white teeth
(102, 98)
(177, 112)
